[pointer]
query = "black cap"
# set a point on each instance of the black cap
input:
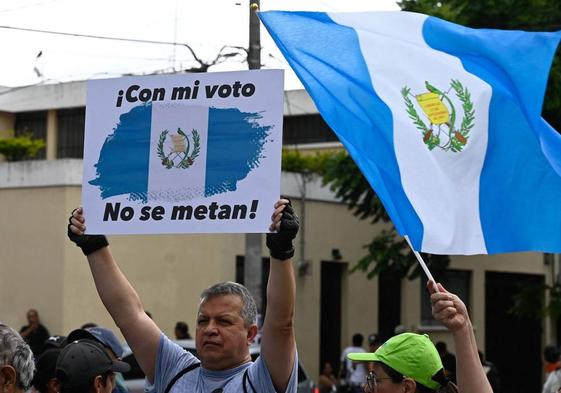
(81, 361)
(45, 368)
(55, 342)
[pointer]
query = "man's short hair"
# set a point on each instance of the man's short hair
(358, 339)
(16, 353)
(249, 309)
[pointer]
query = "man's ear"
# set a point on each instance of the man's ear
(98, 383)
(8, 377)
(410, 385)
(251, 333)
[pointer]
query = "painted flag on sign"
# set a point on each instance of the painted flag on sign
(219, 146)
(444, 121)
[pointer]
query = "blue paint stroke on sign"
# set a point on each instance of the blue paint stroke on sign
(123, 160)
(235, 146)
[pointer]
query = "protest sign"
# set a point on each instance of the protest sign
(183, 153)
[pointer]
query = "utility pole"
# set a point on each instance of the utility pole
(253, 267)
(254, 52)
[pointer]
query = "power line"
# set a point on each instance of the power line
(99, 37)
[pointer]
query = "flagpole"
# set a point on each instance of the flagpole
(423, 264)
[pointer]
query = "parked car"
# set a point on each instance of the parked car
(134, 379)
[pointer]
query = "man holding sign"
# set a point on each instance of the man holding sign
(225, 322)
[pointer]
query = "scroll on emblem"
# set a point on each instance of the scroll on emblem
(434, 108)
(178, 143)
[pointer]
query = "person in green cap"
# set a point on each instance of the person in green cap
(410, 363)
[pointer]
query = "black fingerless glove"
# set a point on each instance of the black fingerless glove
(280, 243)
(88, 243)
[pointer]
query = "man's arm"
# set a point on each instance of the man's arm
(118, 296)
(278, 345)
(451, 311)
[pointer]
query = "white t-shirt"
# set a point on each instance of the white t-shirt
(356, 371)
(553, 382)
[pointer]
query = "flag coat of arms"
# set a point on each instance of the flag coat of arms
(443, 120)
(183, 153)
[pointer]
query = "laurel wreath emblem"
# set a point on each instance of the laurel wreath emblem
(186, 158)
(457, 137)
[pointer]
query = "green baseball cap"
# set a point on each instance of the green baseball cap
(411, 354)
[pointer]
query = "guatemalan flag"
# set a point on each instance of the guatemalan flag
(444, 121)
(174, 152)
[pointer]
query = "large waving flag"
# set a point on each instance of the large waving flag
(444, 121)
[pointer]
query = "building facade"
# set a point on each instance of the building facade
(41, 269)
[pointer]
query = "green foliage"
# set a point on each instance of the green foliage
(531, 15)
(295, 161)
(349, 185)
(529, 302)
(389, 253)
(20, 147)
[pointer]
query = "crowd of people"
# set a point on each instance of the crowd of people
(87, 360)
(98, 347)
(353, 374)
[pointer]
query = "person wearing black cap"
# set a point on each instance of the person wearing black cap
(226, 321)
(111, 345)
(44, 380)
(83, 366)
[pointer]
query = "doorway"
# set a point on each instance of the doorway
(330, 313)
(512, 343)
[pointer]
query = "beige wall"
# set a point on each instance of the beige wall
(31, 256)
(42, 269)
(329, 225)
(6, 124)
(530, 263)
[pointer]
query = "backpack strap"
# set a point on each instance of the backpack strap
(180, 374)
(245, 380)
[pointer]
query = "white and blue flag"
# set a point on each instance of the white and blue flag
(443, 120)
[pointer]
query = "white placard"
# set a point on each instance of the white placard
(188, 153)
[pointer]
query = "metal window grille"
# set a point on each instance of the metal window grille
(306, 129)
(33, 124)
(70, 138)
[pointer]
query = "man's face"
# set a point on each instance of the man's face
(32, 317)
(222, 338)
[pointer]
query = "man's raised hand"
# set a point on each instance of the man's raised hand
(76, 233)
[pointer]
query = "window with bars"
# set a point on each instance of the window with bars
(33, 124)
(70, 137)
(306, 129)
(455, 281)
